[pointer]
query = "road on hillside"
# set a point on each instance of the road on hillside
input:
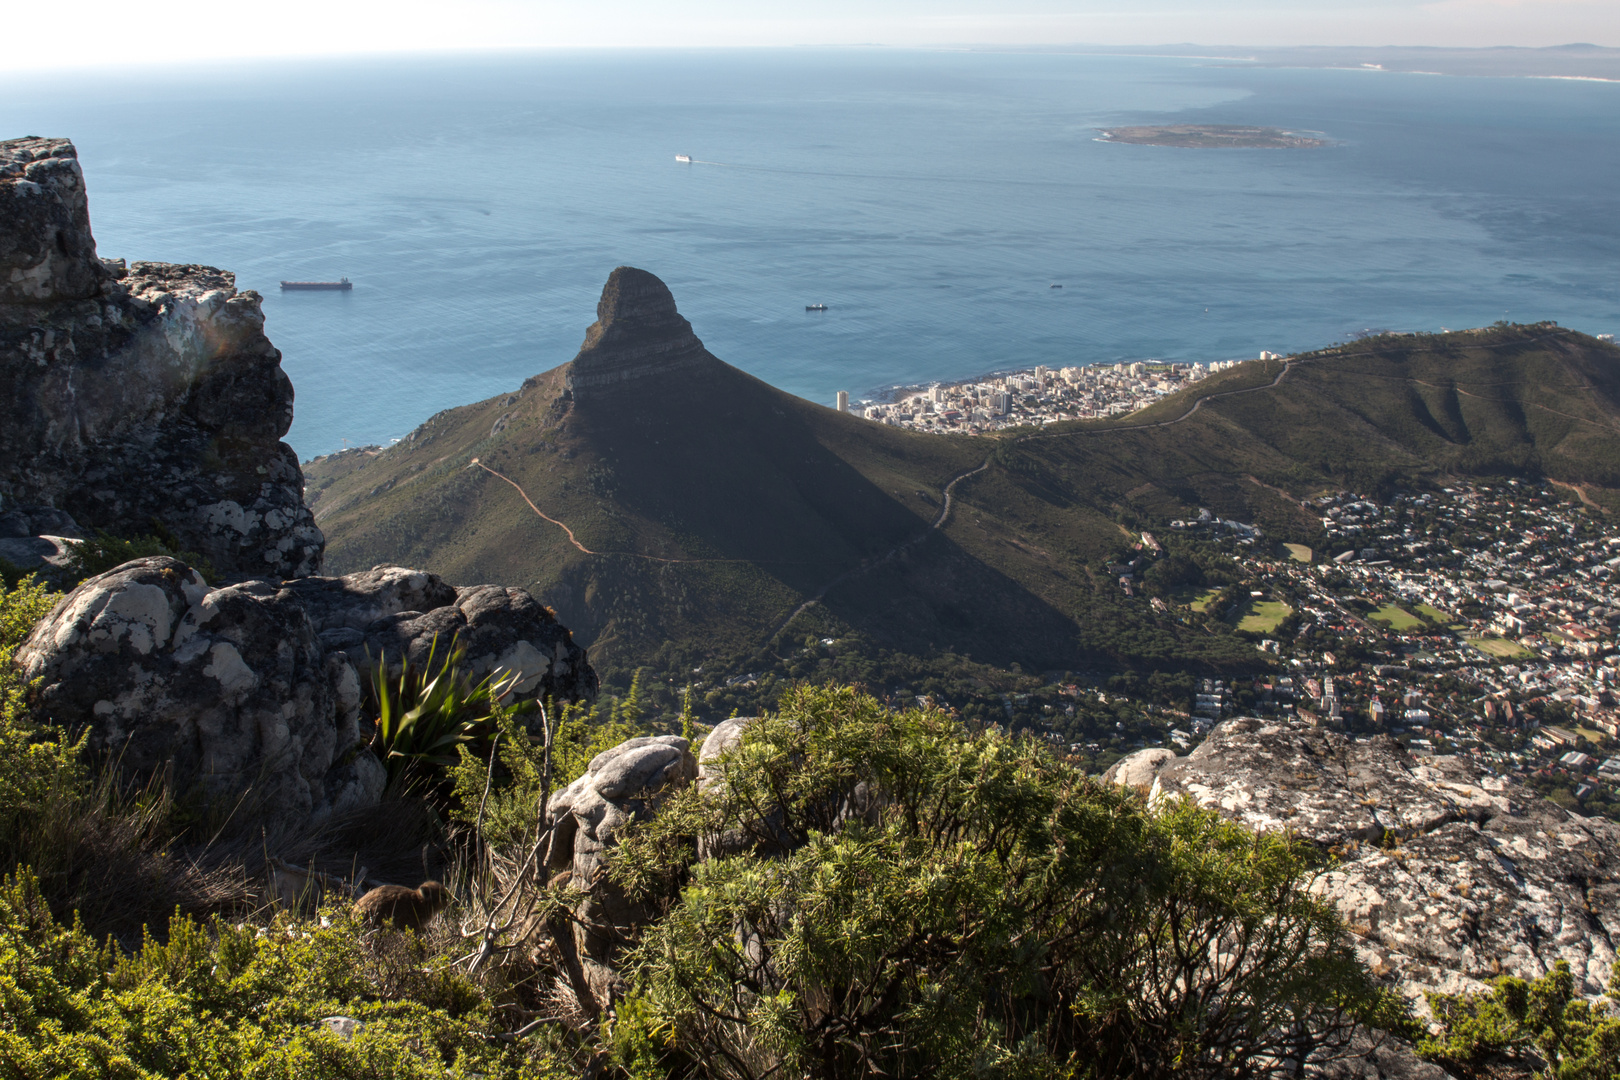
(950, 488)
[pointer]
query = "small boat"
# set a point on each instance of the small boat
(1054, 286)
(815, 307)
(342, 285)
(684, 159)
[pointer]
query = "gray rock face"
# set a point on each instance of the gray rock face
(629, 781)
(722, 737)
(254, 688)
(225, 688)
(46, 251)
(139, 399)
(1138, 770)
(26, 522)
(389, 611)
(637, 333)
(1447, 877)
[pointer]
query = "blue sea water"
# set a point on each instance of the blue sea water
(929, 198)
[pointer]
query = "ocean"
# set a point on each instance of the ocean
(928, 198)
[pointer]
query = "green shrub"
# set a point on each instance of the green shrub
(1519, 1019)
(219, 999)
(104, 551)
(37, 764)
(893, 895)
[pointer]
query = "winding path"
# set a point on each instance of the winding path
(572, 539)
(949, 490)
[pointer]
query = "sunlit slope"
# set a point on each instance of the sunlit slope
(713, 506)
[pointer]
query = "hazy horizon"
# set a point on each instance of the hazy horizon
(104, 36)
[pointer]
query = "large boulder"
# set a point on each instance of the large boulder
(1446, 874)
(224, 689)
(1138, 770)
(254, 690)
(620, 785)
(141, 400)
(405, 615)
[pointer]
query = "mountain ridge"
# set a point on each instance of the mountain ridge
(726, 511)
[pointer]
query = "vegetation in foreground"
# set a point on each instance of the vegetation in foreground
(880, 892)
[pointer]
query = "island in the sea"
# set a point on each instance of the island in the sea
(1222, 136)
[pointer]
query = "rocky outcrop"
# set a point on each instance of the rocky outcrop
(253, 691)
(585, 818)
(140, 401)
(38, 539)
(47, 254)
(1447, 876)
(223, 688)
(637, 333)
(404, 615)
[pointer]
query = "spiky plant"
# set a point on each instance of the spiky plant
(424, 713)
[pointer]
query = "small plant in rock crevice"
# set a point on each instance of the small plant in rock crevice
(423, 713)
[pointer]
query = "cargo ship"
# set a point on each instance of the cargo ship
(342, 284)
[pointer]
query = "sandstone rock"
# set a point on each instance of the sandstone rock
(1447, 876)
(344, 1027)
(621, 784)
(22, 522)
(46, 251)
(1139, 769)
(399, 614)
(1375, 1056)
(722, 737)
(46, 556)
(354, 602)
(637, 333)
(256, 687)
(227, 689)
(141, 399)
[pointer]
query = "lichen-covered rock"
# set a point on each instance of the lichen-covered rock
(142, 396)
(257, 687)
(46, 251)
(227, 689)
(1138, 770)
(342, 608)
(400, 614)
(627, 782)
(1447, 876)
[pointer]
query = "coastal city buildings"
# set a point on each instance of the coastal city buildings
(1034, 396)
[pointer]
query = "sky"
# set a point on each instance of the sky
(101, 33)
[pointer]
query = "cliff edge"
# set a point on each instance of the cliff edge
(142, 400)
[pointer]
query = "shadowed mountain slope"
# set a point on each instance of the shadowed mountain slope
(673, 508)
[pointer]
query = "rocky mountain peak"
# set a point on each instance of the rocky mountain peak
(47, 253)
(637, 333)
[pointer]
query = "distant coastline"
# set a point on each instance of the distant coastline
(1214, 137)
